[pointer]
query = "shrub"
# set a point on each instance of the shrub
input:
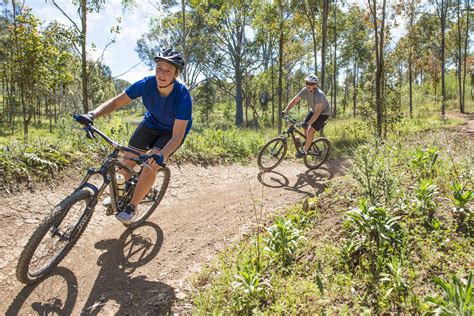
(457, 298)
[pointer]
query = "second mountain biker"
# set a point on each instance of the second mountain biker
(319, 110)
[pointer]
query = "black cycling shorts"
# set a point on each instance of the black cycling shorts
(145, 138)
(320, 121)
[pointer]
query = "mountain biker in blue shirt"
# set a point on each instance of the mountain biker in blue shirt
(165, 125)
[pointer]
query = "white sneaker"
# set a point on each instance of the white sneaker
(106, 202)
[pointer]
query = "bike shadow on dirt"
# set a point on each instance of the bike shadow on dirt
(55, 295)
(309, 183)
(116, 290)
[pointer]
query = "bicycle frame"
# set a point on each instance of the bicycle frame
(108, 173)
(292, 131)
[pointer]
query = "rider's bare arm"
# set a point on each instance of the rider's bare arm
(179, 129)
(111, 105)
(292, 103)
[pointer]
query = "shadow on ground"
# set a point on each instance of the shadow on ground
(117, 289)
(309, 183)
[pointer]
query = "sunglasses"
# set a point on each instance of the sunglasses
(310, 84)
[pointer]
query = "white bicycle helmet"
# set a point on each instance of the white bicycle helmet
(311, 79)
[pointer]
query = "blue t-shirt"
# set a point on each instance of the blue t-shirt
(162, 111)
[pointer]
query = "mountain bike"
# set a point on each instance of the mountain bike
(272, 154)
(61, 229)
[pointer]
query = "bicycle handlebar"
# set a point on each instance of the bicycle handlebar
(91, 130)
(292, 121)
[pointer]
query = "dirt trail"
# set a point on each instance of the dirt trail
(115, 271)
(468, 126)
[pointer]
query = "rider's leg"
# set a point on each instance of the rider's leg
(130, 163)
(146, 180)
(309, 138)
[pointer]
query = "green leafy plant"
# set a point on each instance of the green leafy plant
(457, 297)
(461, 197)
(249, 287)
(371, 170)
(396, 282)
(282, 242)
(424, 162)
(424, 198)
(374, 232)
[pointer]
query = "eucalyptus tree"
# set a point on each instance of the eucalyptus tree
(285, 13)
(442, 7)
(462, 44)
(310, 9)
(337, 28)
(60, 64)
(265, 24)
(84, 7)
(324, 16)
(227, 22)
(355, 49)
(30, 50)
(411, 11)
(378, 14)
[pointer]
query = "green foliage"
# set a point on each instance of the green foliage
(457, 297)
(372, 170)
(424, 162)
(374, 233)
(21, 161)
(425, 194)
(282, 243)
(248, 290)
(395, 282)
(461, 198)
(220, 146)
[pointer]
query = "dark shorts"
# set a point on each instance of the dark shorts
(145, 138)
(320, 121)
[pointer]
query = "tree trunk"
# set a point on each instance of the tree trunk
(460, 58)
(239, 111)
(84, 75)
(379, 53)
(315, 49)
(354, 90)
(466, 42)
(410, 84)
(335, 60)
(323, 49)
(280, 68)
(443, 48)
(183, 13)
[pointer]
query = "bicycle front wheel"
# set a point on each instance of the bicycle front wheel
(146, 207)
(272, 153)
(317, 153)
(53, 239)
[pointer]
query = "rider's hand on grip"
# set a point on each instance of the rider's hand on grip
(304, 125)
(283, 113)
(84, 119)
(159, 159)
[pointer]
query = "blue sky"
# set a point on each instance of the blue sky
(120, 56)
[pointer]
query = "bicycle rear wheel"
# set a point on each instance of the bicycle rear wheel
(52, 240)
(317, 153)
(272, 153)
(150, 202)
